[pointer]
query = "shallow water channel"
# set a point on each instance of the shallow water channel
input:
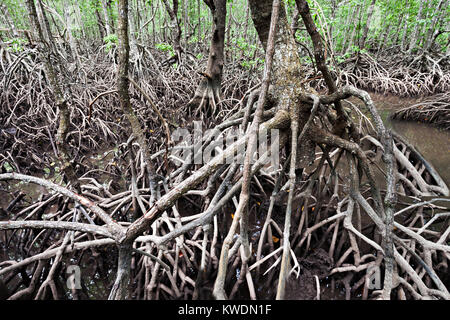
(433, 143)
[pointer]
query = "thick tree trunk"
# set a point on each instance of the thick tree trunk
(287, 87)
(287, 70)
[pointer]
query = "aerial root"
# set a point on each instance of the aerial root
(179, 256)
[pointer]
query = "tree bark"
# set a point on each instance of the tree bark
(416, 31)
(438, 12)
(124, 96)
(319, 56)
(108, 26)
(210, 86)
(367, 26)
(100, 25)
(119, 290)
(286, 89)
(356, 19)
(405, 27)
(176, 29)
(46, 49)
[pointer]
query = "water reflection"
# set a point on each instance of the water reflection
(433, 143)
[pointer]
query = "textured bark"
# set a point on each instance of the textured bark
(210, 86)
(288, 73)
(390, 201)
(242, 209)
(216, 54)
(367, 26)
(46, 49)
(279, 121)
(319, 56)
(114, 227)
(119, 290)
(124, 96)
(416, 31)
(107, 18)
(176, 29)
(439, 12)
(287, 86)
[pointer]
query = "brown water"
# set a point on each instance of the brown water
(433, 143)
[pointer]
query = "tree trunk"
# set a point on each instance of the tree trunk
(100, 25)
(124, 96)
(72, 43)
(384, 39)
(185, 4)
(176, 30)
(436, 16)
(334, 9)
(355, 22)
(416, 31)
(319, 56)
(367, 26)
(8, 19)
(79, 19)
(119, 290)
(107, 18)
(46, 49)
(229, 53)
(199, 21)
(351, 15)
(405, 28)
(287, 86)
(209, 89)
